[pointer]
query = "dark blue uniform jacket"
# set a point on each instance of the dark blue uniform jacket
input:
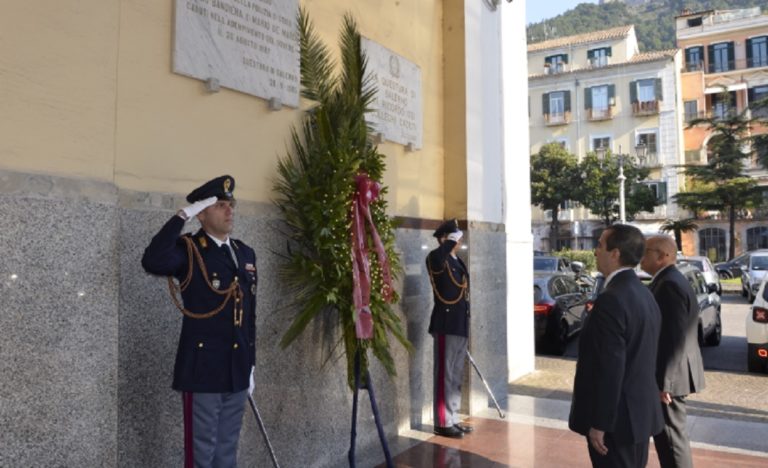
(214, 354)
(450, 315)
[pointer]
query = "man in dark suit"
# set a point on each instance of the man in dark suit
(449, 326)
(679, 366)
(615, 399)
(216, 352)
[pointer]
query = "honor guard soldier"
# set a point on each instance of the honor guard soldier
(449, 326)
(216, 277)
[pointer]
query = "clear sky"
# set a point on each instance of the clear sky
(537, 10)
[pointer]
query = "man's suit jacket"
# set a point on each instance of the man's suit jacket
(615, 386)
(679, 366)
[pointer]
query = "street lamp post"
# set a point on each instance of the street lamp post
(640, 150)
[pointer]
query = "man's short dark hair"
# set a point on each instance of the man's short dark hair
(630, 242)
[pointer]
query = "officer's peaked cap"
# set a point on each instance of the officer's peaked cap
(220, 187)
(446, 228)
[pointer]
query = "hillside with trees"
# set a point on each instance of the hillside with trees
(654, 20)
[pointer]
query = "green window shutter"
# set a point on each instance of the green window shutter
(633, 92)
(750, 95)
(612, 95)
(749, 52)
(565, 57)
(587, 98)
(608, 51)
(545, 103)
(731, 57)
(657, 90)
(567, 99)
(711, 56)
(662, 192)
(590, 54)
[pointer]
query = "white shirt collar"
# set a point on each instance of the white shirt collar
(616, 272)
(219, 242)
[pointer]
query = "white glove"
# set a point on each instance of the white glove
(198, 206)
(455, 236)
(251, 385)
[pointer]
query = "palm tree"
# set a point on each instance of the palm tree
(315, 188)
(679, 227)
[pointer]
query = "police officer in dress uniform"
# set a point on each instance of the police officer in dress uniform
(216, 353)
(449, 326)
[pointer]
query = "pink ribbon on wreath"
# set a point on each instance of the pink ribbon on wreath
(367, 191)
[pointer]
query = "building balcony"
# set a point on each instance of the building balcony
(554, 69)
(645, 108)
(600, 114)
(559, 118)
(651, 159)
(599, 62)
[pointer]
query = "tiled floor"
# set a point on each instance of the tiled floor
(497, 443)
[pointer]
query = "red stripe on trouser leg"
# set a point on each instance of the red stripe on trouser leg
(440, 380)
(189, 448)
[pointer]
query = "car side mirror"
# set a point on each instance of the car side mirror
(577, 267)
(743, 267)
(712, 288)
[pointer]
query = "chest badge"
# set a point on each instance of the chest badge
(216, 283)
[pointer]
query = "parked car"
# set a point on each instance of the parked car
(710, 322)
(707, 269)
(757, 332)
(752, 274)
(732, 268)
(558, 310)
(551, 263)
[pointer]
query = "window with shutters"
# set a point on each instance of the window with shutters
(721, 57)
(694, 58)
(601, 142)
(555, 63)
(659, 190)
(691, 110)
(598, 57)
(723, 104)
(649, 138)
(758, 101)
(645, 96)
(757, 52)
(557, 107)
(598, 101)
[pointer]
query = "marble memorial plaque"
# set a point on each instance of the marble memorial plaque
(397, 107)
(250, 46)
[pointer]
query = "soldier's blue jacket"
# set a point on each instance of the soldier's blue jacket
(450, 288)
(214, 354)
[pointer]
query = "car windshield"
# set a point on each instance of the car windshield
(760, 263)
(544, 264)
(698, 264)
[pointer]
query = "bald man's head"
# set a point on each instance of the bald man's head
(660, 251)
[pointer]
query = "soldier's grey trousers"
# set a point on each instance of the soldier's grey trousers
(212, 428)
(450, 357)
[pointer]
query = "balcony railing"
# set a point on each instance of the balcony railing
(645, 107)
(558, 118)
(553, 69)
(600, 114)
(726, 66)
(598, 62)
(651, 159)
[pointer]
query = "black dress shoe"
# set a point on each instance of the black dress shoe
(463, 428)
(449, 432)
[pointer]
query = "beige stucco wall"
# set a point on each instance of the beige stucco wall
(88, 92)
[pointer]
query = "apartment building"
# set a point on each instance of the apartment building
(723, 51)
(597, 90)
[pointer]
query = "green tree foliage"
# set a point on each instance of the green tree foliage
(721, 184)
(314, 192)
(654, 20)
(598, 187)
(554, 179)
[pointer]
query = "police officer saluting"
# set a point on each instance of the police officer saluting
(449, 326)
(215, 358)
